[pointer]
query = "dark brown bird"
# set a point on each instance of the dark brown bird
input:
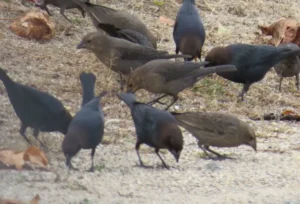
(36, 109)
(252, 61)
(189, 32)
(62, 4)
(120, 19)
(169, 77)
(156, 128)
(85, 131)
(289, 67)
(121, 55)
(217, 130)
(125, 34)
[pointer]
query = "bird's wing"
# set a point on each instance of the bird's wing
(132, 51)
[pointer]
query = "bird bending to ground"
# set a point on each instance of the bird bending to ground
(189, 33)
(217, 130)
(169, 77)
(156, 128)
(36, 109)
(252, 61)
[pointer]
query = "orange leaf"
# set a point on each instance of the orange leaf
(34, 25)
(166, 20)
(36, 156)
(288, 112)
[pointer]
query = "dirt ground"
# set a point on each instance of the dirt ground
(270, 176)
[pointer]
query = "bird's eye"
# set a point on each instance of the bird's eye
(130, 85)
(88, 41)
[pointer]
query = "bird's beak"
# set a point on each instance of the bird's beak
(81, 45)
(252, 143)
(176, 155)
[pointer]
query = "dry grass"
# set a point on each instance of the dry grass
(54, 66)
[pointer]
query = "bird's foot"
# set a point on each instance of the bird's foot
(91, 169)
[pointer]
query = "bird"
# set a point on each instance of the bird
(117, 18)
(126, 34)
(169, 77)
(120, 55)
(155, 128)
(189, 33)
(88, 86)
(85, 131)
(36, 109)
(62, 4)
(252, 61)
(288, 67)
(216, 129)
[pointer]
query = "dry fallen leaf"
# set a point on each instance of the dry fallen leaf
(33, 155)
(35, 200)
(34, 25)
(166, 20)
(288, 112)
(36, 156)
(282, 31)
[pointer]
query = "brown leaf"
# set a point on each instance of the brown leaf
(166, 20)
(34, 25)
(9, 201)
(282, 31)
(36, 156)
(35, 200)
(12, 158)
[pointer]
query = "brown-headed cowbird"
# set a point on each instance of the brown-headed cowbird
(121, 55)
(169, 77)
(36, 109)
(217, 130)
(154, 127)
(62, 4)
(126, 34)
(85, 131)
(288, 68)
(252, 61)
(120, 19)
(189, 33)
(88, 86)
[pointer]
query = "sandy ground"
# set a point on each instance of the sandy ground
(269, 176)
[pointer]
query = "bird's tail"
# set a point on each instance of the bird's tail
(215, 69)
(3, 75)
(128, 98)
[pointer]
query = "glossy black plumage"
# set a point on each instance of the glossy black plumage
(252, 61)
(154, 127)
(36, 109)
(189, 33)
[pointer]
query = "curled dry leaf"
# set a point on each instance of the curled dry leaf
(33, 155)
(34, 25)
(35, 200)
(36, 156)
(282, 31)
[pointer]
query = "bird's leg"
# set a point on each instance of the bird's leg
(36, 132)
(157, 100)
(175, 98)
(216, 153)
(137, 147)
(204, 150)
(69, 164)
(92, 157)
(81, 11)
(44, 7)
(62, 12)
(244, 90)
(280, 82)
(22, 131)
(121, 82)
(163, 162)
(297, 81)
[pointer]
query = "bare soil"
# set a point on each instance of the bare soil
(270, 176)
